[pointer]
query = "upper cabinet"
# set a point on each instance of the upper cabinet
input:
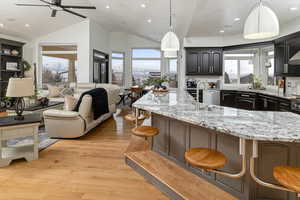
(285, 49)
(204, 61)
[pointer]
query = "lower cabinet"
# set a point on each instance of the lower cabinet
(254, 101)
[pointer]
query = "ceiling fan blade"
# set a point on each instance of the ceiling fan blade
(74, 13)
(79, 7)
(21, 4)
(53, 14)
(47, 2)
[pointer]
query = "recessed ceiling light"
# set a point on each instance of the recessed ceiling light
(237, 19)
(149, 21)
(1, 25)
(107, 6)
(222, 31)
(27, 25)
(293, 8)
(143, 5)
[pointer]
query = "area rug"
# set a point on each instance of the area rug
(45, 140)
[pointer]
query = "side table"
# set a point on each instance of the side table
(13, 129)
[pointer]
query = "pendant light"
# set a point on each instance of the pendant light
(261, 23)
(170, 54)
(170, 41)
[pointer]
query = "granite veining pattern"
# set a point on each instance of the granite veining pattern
(258, 125)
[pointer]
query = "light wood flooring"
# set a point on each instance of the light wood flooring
(89, 168)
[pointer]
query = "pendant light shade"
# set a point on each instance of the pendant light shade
(261, 23)
(170, 42)
(170, 54)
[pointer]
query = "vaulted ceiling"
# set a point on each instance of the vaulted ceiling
(192, 18)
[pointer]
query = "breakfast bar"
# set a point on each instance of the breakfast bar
(184, 124)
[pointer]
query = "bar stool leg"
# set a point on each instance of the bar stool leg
(252, 170)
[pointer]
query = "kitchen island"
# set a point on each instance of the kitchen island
(185, 124)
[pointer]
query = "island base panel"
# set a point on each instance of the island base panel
(175, 137)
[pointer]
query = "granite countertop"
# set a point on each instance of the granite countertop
(257, 125)
(266, 92)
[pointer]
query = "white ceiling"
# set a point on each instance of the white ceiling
(192, 17)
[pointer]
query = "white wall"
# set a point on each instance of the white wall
(77, 34)
(87, 35)
(99, 40)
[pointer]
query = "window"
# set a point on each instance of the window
(173, 77)
(59, 65)
(146, 63)
(117, 66)
(238, 68)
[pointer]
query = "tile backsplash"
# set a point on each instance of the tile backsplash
(291, 85)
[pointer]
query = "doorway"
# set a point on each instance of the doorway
(100, 67)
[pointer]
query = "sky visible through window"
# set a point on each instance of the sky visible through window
(145, 62)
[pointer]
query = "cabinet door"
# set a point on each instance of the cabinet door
(216, 61)
(246, 103)
(279, 58)
(228, 99)
(192, 62)
(205, 58)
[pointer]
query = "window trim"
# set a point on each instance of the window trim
(123, 59)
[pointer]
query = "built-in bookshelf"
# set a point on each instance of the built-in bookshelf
(11, 53)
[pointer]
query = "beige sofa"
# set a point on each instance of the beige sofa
(70, 124)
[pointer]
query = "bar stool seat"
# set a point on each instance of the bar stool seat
(145, 131)
(288, 176)
(131, 117)
(205, 158)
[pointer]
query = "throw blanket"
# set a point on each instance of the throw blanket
(99, 102)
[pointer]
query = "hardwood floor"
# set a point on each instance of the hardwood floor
(89, 168)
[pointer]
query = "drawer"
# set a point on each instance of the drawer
(13, 133)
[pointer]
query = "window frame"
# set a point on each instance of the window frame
(123, 60)
(238, 59)
(177, 68)
(145, 59)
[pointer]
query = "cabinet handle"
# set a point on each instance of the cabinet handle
(245, 95)
(212, 69)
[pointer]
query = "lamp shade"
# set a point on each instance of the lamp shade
(20, 87)
(261, 23)
(170, 42)
(170, 54)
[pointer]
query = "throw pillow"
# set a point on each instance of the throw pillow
(70, 103)
(67, 92)
(54, 91)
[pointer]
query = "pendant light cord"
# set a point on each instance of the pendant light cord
(170, 14)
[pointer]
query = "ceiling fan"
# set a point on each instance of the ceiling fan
(55, 5)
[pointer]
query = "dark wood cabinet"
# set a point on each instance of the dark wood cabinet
(228, 98)
(285, 49)
(204, 61)
(192, 62)
(254, 101)
(267, 103)
(11, 64)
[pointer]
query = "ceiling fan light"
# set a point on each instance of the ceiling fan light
(170, 42)
(261, 23)
(170, 54)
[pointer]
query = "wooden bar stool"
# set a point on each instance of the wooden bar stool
(212, 160)
(145, 131)
(287, 176)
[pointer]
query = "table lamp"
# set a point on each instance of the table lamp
(19, 88)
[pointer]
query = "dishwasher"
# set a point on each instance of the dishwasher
(211, 97)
